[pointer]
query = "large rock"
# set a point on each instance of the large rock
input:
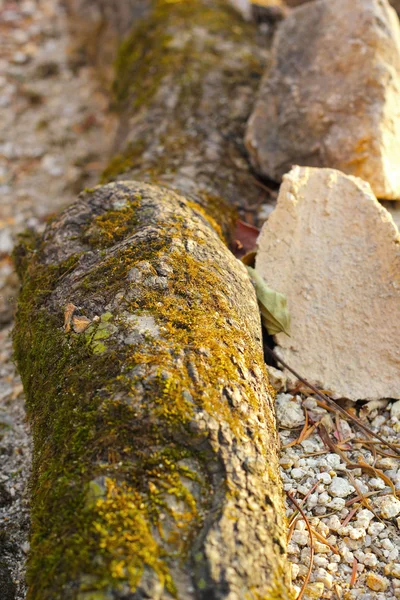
(335, 251)
(332, 95)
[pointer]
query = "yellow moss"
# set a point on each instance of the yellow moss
(111, 227)
(124, 534)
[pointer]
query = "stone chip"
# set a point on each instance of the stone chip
(335, 252)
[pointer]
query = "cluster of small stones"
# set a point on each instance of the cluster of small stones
(370, 541)
(55, 126)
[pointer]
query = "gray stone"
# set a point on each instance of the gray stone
(289, 411)
(332, 94)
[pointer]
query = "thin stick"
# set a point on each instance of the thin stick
(330, 401)
(353, 573)
(310, 532)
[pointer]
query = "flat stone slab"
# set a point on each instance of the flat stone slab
(335, 252)
(332, 95)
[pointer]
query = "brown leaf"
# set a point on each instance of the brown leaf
(69, 311)
(245, 238)
(79, 324)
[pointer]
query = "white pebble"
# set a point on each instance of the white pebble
(324, 477)
(347, 555)
(320, 561)
(297, 473)
(333, 460)
(387, 544)
(394, 554)
(341, 488)
(337, 503)
(313, 500)
(370, 559)
(377, 483)
(389, 506)
(325, 578)
(333, 523)
(378, 421)
(364, 518)
(393, 569)
(395, 410)
(324, 498)
(300, 537)
(295, 571)
(300, 525)
(356, 533)
(375, 528)
(289, 411)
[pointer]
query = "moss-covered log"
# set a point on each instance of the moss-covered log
(155, 472)
(185, 82)
(139, 344)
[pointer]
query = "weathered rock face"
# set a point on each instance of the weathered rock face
(335, 251)
(332, 96)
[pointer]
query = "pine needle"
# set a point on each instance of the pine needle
(332, 402)
(310, 531)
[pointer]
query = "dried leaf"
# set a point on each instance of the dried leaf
(69, 311)
(273, 306)
(79, 324)
(245, 238)
(249, 259)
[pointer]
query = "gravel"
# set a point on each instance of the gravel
(362, 540)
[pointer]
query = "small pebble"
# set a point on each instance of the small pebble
(341, 488)
(376, 582)
(388, 506)
(314, 590)
(289, 411)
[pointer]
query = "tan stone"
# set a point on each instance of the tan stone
(293, 3)
(332, 95)
(335, 252)
(376, 582)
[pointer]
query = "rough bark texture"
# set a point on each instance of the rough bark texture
(155, 471)
(185, 83)
(186, 76)
(96, 28)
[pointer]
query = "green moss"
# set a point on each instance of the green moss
(121, 163)
(111, 227)
(157, 52)
(89, 421)
(151, 53)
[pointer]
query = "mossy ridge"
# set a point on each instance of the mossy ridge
(150, 53)
(111, 227)
(167, 49)
(81, 427)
